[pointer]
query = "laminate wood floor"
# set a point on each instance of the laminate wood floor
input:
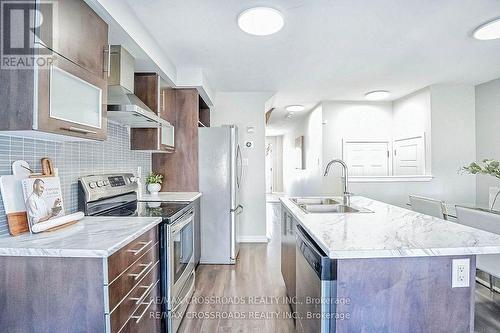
(256, 277)
(255, 280)
(487, 319)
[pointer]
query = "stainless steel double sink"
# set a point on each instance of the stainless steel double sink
(326, 206)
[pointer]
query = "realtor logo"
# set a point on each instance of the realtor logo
(26, 33)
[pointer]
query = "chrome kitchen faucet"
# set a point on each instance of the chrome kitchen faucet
(346, 195)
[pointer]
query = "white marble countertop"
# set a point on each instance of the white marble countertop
(170, 196)
(97, 237)
(391, 231)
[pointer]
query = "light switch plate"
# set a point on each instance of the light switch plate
(460, 277)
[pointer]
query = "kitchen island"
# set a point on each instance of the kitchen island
(391, 269)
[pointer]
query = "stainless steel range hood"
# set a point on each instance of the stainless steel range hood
(123, 106)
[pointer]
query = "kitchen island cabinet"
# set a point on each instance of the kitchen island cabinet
(392, 270)
(288, 253)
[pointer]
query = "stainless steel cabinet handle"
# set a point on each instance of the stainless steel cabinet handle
(143, 296)
(139, 317)
(78, 130)
(285, 221)
(138, 275)
(145, 245)
(108, 69)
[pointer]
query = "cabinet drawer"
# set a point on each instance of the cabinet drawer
(124, 283)
(121, 260)
(133, 302)
(147, 317)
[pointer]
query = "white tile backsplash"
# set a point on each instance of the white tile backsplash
(73, 159)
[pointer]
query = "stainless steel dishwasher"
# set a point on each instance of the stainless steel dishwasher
(316, 286)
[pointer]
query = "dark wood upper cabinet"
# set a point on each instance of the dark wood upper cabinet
(180, 169)
(147, 89)
(82, 36)
(67, 96)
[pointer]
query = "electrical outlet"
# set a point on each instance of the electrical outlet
(460, 273)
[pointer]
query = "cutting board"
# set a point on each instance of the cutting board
(13, 201)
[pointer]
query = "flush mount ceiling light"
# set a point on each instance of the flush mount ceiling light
(260, 21)
(488, 31)
(377, 95)
(295, 108)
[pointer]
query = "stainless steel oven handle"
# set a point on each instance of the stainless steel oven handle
(145, 245)
(139, 275)
(177, 226)
(139, 317)
(143, 296)
(191, 289)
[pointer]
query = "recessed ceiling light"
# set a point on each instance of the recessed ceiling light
(377, 95)
(289, 115)
(261, 21)
(295, 108)
(488, 31)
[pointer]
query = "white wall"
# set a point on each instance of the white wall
(412, 117)
(488, 133)
(453, 142)
(247, 109)
(307, 181)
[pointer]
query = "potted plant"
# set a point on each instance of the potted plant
(153, 182)
(489, 167)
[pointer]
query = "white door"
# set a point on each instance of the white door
(367, 158)
(269, 167)
(409, 156)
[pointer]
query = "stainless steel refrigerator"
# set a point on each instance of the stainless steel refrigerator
(220, 175)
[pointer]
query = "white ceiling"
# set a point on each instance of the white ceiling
(328, 49)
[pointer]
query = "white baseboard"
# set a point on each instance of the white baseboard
(253, 239)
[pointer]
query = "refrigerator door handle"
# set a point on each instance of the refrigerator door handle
(237, 210)
(239, 166)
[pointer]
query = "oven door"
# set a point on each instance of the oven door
(181, 256)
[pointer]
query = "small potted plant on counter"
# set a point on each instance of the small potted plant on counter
(153, 182)
(489, 167)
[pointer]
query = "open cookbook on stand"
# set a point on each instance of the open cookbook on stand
(43, 199)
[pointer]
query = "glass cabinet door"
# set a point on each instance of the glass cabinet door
(74, 100)
(71, 100)
(167, 136)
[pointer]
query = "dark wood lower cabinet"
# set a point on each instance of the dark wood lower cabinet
(41, 294)
(115, 294)
(288, 253)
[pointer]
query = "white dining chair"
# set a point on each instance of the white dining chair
(428, 206)
(487, 221)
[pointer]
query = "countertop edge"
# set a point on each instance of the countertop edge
(77, 253)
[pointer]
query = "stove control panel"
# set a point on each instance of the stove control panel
(96, 187)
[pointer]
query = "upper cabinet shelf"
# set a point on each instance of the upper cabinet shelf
(148, 89)
(204, 114)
